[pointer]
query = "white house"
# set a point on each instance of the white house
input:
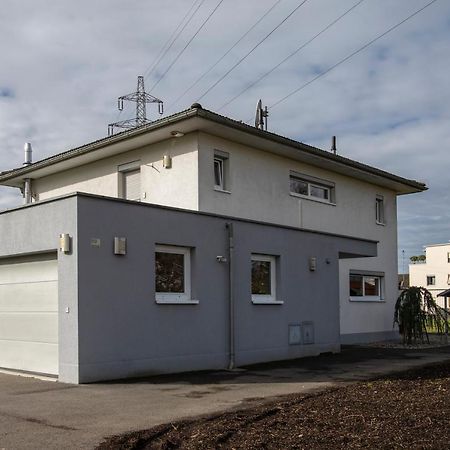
(434, 273)
(199, 161)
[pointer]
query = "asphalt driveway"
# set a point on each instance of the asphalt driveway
(37, 414)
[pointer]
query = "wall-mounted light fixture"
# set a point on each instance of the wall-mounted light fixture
(312, 264)
(120, 246)
(167, 162)
(64, 243)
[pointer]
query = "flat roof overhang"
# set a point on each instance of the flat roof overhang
(197, 119)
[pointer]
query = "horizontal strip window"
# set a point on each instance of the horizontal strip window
(313, 188)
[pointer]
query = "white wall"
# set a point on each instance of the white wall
(437, 264)
(259, 189)
(177, 187)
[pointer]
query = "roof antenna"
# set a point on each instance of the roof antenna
(141, 98)
(333, 145)
(261, 114)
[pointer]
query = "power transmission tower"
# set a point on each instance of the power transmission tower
(141, 98)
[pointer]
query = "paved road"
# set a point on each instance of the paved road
(36, 414)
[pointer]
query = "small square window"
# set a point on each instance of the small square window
(431, 280)
(263, 279)
(379, 210)
(172, 274)
(221, 165)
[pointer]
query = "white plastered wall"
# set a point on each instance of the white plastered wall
(259, 189)
(177, 186)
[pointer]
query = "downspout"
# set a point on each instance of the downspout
(231, 362)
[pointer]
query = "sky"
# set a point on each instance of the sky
(64, 63)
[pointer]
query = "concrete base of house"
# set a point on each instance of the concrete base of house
(365, 338)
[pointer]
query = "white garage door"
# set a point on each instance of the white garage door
(29, 314)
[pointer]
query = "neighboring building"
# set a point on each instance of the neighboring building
(434, 274)
(199, 161)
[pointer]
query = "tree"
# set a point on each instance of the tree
(414, 310)
(414, 259)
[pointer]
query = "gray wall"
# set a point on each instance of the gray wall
(35, 229)
(123, 332)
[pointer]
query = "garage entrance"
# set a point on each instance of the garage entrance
(29, 313)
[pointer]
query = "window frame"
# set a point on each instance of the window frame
(364, 297)
(175, 297)
(448, 257)
(434, 280)
(264, 299)
(311, 182)
(380, 216)
(223, 160)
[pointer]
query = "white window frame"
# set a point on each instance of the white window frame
(174, 297)
(314, 182)
(380, 210)
(223, 160)
(262, 299)
(368, 298)
(434, 279)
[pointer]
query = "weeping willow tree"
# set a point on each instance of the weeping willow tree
(415, 310)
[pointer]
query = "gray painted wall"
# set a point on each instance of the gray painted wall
(35, 229)
(114, 327)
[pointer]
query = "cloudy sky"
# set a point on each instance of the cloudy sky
(64, 63)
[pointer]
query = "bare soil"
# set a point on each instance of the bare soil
(406, 411)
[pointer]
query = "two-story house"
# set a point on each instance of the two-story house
(203, 243)
(434, 273)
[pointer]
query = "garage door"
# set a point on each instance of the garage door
(29, 314)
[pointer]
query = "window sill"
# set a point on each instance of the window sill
(367, 299)
(168, 301)
(306, 197)
(256, 301)
(383, 224)
(217, 189)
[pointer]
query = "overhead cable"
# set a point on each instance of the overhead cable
(350, 55)
(251, 51)
(290, 55)
(172, 39)
(187, 45)
(224, 55)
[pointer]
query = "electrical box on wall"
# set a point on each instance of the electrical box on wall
(295, 335)
(120, 246)
(308, 332)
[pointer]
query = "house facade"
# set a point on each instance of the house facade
(213, 166)
(434, 273)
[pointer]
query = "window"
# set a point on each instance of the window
(448, 278)
(379, 210)
(448, 257)
(264, 279)
(172, 274)
(315, 189)
(221, 160)
(431, 280)
(365, 287)
(130, 181)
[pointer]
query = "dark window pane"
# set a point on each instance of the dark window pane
(218, 172)
(298, 186)
(169, 272)
(371, 286)
(261, 278)
(356, 285)
(319, 192)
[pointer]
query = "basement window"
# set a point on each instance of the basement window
(365, 287)
(264, 279)
(311, 188)
(173, 275)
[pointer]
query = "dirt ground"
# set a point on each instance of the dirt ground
(410, 411)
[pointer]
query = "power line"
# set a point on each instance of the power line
(187, 45)
(252, 50)
(169, 41)
(291, 55)
(351, 55)
(225, 54)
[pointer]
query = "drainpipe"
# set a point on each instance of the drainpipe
(231, 294)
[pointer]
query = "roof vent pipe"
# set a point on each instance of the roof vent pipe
(28, 154)
(333, 144)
